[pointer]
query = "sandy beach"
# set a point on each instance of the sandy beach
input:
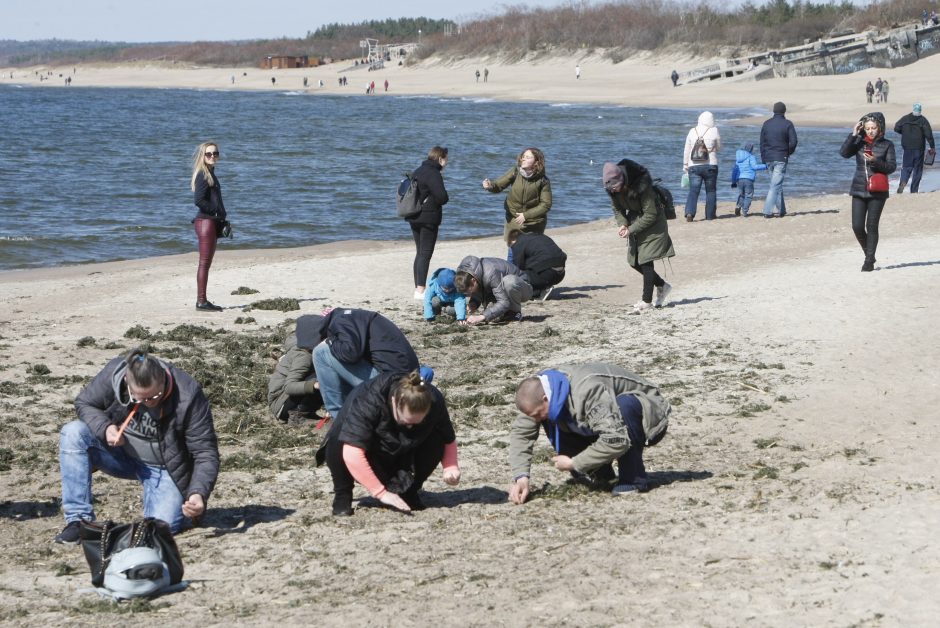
(796, 486)
(638, 82)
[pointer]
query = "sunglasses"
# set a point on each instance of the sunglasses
(212, 153)
(146, 399)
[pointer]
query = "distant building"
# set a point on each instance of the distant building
(283, 62)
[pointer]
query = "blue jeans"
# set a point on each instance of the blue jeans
(337, 379)
(746, 187)
(777, 170)
(913, 167)
(80, 451)
(697, 175)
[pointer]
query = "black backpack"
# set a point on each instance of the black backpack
(664, 199)
(699, 150)
(408, 201)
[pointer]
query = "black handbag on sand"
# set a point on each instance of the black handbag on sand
(101, 540)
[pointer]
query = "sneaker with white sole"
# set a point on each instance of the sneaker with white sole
(545, 292)
(71, 534)
(419, 295)
(661, 293)
(641, 306)
(638, 486)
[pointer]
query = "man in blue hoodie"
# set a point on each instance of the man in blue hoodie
(777, 143)
(746, 168)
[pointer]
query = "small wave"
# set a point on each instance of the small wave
(16, 238)
(292, 93)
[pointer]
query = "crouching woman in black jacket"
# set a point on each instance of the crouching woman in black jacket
(873, 155)
(389, 436)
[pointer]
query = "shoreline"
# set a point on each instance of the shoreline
(636, 82)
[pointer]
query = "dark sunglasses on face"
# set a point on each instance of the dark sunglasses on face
(212, 153)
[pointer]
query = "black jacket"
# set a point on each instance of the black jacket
(355, 335)
(209, 199)
(366, 420)
(188, 442)
(537, 252)
(914, 130)
(885, 161)
(432, 193)
(777, 139)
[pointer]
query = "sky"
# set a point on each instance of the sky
(192, 20)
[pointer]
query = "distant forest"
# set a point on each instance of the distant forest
(618, 29)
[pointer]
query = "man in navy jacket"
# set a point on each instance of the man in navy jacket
(777, 143)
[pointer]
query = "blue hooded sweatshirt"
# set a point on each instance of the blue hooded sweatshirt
(441, 285)
(747, 164)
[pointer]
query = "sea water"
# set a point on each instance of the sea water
(94, 174)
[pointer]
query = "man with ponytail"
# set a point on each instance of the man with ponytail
(144, 419)
(593, 414)
(389, 436)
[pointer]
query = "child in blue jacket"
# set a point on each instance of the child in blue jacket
(441, 292)
(743, 175)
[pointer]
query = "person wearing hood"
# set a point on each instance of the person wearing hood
(427, 222)
(494, 284)
(915, 131)
(530, 193)
(593, 414)
(874, 155)
(293, 391)
(643, 223)
(777, 142)
(746, 168)
(702, 165)
(442, 293)
(144, 419)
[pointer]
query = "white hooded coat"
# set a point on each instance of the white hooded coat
(707, 130)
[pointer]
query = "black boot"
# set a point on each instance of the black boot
(413, 500)
(869, 265)
(342, 504)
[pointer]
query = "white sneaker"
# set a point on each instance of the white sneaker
(662, 293)
(641, 306)
(419, 295)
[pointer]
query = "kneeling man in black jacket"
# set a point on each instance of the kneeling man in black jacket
(540, 259)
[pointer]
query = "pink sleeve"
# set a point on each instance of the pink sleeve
(449, 460)
(358, 465)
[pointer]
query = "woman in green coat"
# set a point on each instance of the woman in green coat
(642, 221)
(530, 193)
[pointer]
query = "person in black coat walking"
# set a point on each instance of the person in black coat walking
(425, 224)
(777, 143)
(873, 154)
(390, 435)
(915, 131)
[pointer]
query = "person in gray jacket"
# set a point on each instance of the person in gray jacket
(593, 414)
(144, 419)
(293, 391)
(494, 284)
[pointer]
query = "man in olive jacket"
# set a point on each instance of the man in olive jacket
(593, 414)
(140, 418)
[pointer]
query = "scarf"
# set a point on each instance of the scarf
(526, 173)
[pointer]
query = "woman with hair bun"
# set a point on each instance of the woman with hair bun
(389, 436)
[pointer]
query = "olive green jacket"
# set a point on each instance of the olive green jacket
(293, 376)
(592, 403)
(635, 206)
(530, 197)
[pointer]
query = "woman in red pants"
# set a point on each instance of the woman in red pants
(210, 219)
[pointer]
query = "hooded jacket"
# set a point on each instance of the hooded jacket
(446, 298)
(489, 273)
(295, 368)
(530, 197)
(914, 130)
(186, 433)
(432, 193)
(777, 139)
(592, 403)
(747, 164)
(884, 159)
(635, 206)
(707, 130)
(356, 335)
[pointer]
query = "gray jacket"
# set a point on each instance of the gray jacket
(489, 272)
(592, 403)
(188, 442)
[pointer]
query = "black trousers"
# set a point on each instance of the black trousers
(419, 463)
(545, 277)
(425, 237)
(650, 278)
(866, 214)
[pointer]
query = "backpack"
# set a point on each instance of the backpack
(407, 199)
(699, 150)
(664, 200)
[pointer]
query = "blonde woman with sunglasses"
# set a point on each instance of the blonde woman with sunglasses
(210, 220)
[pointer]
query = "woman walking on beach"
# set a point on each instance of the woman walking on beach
(390, 435)
(426, 223)
(210, 220)
(700, 161)
(874, 160)
(643, 222)
(530, 193)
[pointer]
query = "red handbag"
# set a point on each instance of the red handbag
(877, 181)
